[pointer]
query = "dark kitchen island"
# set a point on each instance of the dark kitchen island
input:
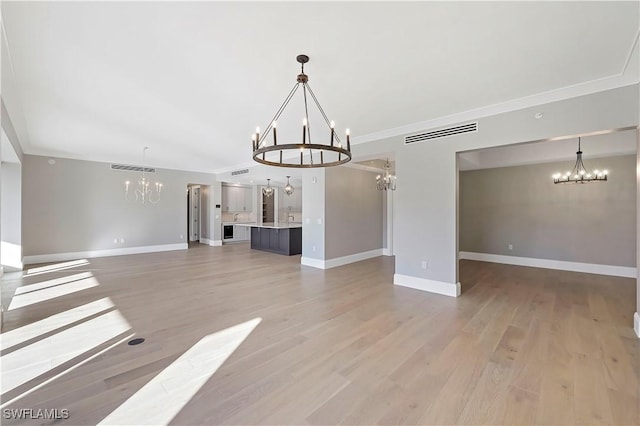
(280, 238)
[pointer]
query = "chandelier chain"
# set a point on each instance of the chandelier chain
(326, 119)
(279, 112)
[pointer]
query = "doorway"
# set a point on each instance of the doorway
(268, 210)
(194, 214)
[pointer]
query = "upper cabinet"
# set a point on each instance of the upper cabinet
(236, 199)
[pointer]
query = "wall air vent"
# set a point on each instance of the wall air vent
(239, 172)
(442, 133)
(127, 168)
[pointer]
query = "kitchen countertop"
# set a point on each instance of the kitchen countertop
(282, 225)
(239, 223)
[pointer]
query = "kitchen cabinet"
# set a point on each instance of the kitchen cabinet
(287, 241)
(240, 233)
(236, 199)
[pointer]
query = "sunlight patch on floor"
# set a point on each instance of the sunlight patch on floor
(39, 292)
(62, 373)
(27, 332)
(57, 267)
(162, 398)
(22, 365)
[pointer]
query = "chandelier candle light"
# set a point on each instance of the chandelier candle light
(386, 181)
(145, 191)
(319, 154)
(267, 191)
(288, 189)
(580, 174)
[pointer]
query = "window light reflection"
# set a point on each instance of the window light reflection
(27, 332)
(162, 398)
(57, 267)
(35, 293)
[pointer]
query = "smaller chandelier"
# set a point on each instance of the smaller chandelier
(386, 181)
(146, 190)
(304, 152)
(267, 191)
(580, 174)
(288, 189)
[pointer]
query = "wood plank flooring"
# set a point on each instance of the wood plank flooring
(341, 346)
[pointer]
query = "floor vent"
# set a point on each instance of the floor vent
(442, 133)
(127, 168)
(239, 172)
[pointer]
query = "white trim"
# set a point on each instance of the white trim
(352, 258)
(339, 261)
(432, 286)
(636, 323)
(59, 257)
(205, 241)
(316, 263)
(589, 268)
(386, 252)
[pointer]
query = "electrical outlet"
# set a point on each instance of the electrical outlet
(115, 241)
(510, 246)
(425, 264)
(122, 240)
(181, 236)
(313, 248)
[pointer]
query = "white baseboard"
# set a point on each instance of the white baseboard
(636, 324)
(589, 268)
(386, 252)
(60, 257)
(316, 263)
(439, 287)
(209, 242)
(339, 261)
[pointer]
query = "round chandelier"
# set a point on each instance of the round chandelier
(288, 189)
(311, 152)
(267, 191)
(579, 174)
(386, 181)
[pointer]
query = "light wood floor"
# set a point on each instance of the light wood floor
(520, 346)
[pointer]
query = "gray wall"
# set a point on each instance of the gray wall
(313, 213)
(426, 207)
(353, 212)
(10, 202)
(425, 214)
(77, 205)
(592, 223)
(638, 218)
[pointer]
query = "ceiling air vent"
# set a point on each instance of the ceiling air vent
(239, 172)
(442, 133)
(127, 168)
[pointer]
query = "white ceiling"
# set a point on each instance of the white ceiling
(191, 80)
